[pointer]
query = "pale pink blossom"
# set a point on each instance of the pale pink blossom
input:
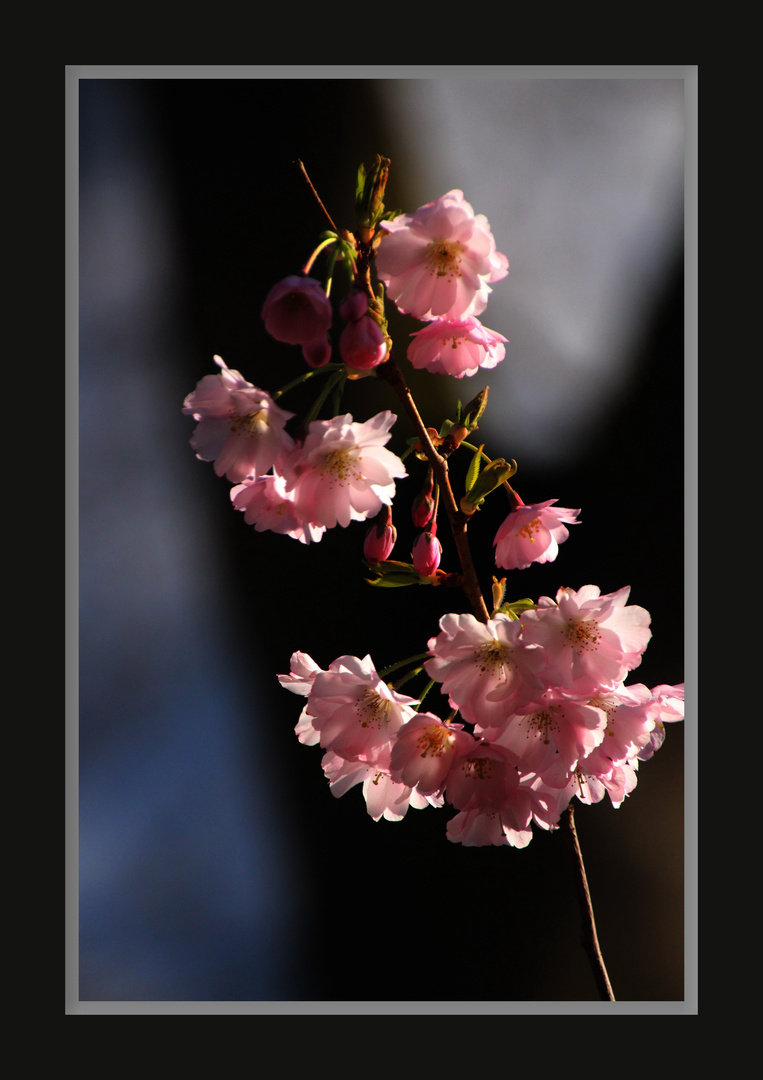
(457, 347)
(497, 804)
(486, 669)
(667, 707)
(440, 260)
(425, 750)
(551, 737)
(532, 533)
(343, 471)
(239, 427)
(297, 310)
(300, 679)
(385, 798)
(362, 344)
(269, 506)
(590, 641)
(356, 714)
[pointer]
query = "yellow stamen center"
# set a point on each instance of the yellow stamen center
(443, 258)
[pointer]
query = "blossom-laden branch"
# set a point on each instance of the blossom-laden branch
(540, 713)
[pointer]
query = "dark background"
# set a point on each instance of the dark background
(214, 862)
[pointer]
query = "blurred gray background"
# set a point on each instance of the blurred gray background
(214, 864)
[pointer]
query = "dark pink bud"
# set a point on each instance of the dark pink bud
(318, 352)
(362, 344)
(354, 306)
(380, 538)
(297, 310)
(426, 554)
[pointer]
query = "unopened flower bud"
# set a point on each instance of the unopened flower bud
(317, 353)
(426, 554)
(380, 538)
(354, 306)
(362, 344)
(297, 310)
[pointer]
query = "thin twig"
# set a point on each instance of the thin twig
(309, 183)
(589, 938)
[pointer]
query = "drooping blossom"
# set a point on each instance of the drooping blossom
(485, 668)
(590, 641)
(385, 797)
(239, 426)
(362, 344)
(439, 261)
(425, 750)
(497, 805)
(269, 506)
(343, 471)
(355, 712)
(297, 310)
(457, 347)
(532, 533)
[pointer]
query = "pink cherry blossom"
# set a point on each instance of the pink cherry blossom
(385, 798)
(362, 344)
(239, 427)
(297, 310)
(552, 736)
(268, 506)
(425, 750)
(667, 707)
(486, 669)
(440, 260)
(590, 641)
(355, 713)
(300, 679)
(343, 472)
(457, 347)
(532, 533)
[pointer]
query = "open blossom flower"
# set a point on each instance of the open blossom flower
(343, 471)
(667, 706)
(532, 533)
(355, 713)
(300, 679)
(485, 668)
(552, 736)
(425, 750)
(590, 641)
(297, 310)
(456, 347)
(239, 427)
(439, 261)
(385, 797)
(268, 506)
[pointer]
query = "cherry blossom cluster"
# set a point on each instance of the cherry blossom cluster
(539, 712)
(547, 717)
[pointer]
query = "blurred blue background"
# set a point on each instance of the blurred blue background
(214, 864)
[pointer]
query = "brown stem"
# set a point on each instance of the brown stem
(390, 371)
(309, 183)
(589, 938)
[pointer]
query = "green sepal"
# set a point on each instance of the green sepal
(491, 477)
(474, 469)
(392, 574)
(516, 607)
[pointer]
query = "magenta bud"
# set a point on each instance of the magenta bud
(362, 344)
(317, 353)
(354, 306)
(380, 538)
(422, 510)
(426, 554)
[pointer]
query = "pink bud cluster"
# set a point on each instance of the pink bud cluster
(438, 265)
(547, 717)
